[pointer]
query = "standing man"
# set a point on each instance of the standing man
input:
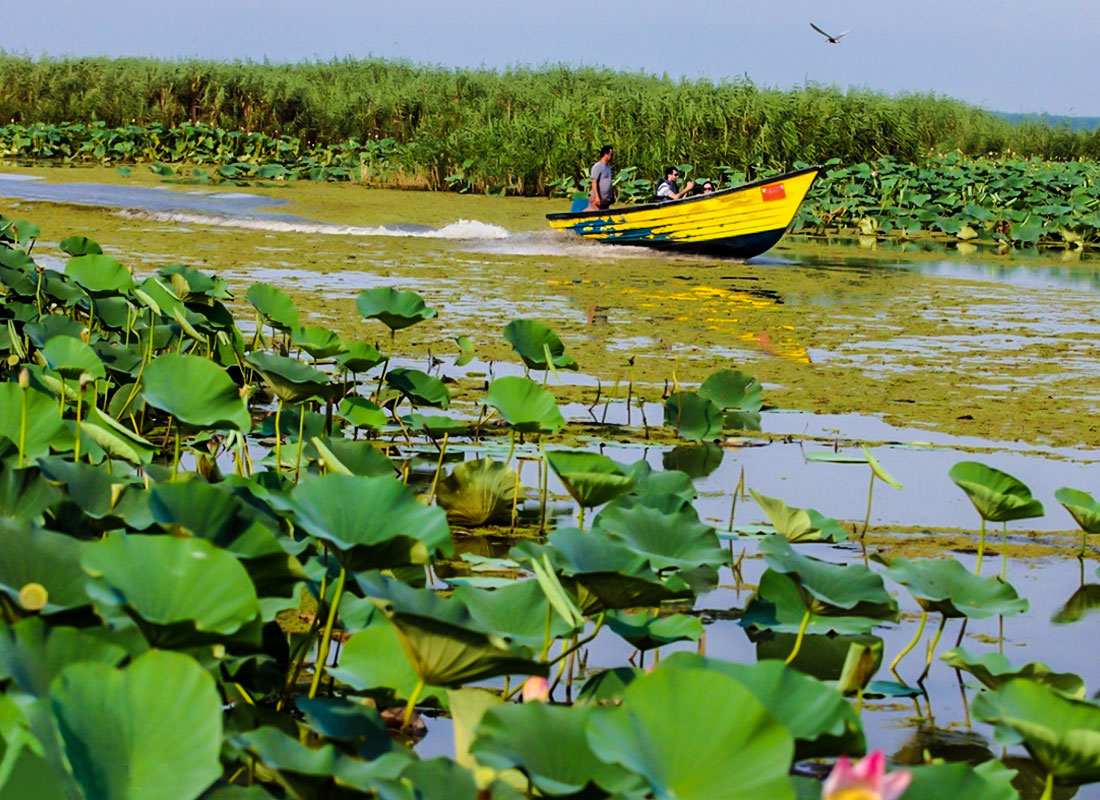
(600, 196)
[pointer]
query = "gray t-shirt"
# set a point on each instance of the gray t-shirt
(601, 173)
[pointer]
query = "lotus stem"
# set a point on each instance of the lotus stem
(981, 548)
(76, 444)
(801, 634)
(578, 644)
(546, 641)
(870, 496)
(385, 366)
(279, 437)
(438, 469)
(515, 495)
(607, 405)
(301, 431)
(580, 516)
(544, 483)
(24, 387)
(932, 648)
(303, 648)
(411, 705)
(511, 445)
(176, 456)
(909, 647)
(1048, 787)
(629, 389)
(1004, 552)
(326, 637)
(1081, 555)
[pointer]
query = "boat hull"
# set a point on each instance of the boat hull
(740, 222)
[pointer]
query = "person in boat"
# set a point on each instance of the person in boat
(668, 189)
(600, 196)
(708, 187)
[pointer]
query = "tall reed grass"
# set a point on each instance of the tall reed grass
(522, 128)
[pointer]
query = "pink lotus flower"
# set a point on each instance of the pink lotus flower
(865, 780)
(536, 690)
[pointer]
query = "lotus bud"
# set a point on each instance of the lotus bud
(12, 360)
(33, 597)
(85, 379)
(24, 378)
(865, 780)
(536, 690)
(85, 334)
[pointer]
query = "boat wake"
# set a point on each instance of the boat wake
(463, 229)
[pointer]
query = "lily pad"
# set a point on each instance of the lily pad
(592, 479)
(212, 399)
(538, 346)
(947, 587)
(996, 495)
(994, 671)
(646, 632)
(394, 309)
(693, 416)
(479, 492)
(799, 524)
(525, 405)
(274, 306)
(420, 387)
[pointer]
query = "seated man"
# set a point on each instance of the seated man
(667, 189)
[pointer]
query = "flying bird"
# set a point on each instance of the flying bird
(831, 39)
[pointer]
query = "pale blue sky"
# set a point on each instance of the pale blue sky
(1007, 55)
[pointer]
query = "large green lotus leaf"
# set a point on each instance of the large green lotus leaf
(360, 357)
(592, 479)
(799, 524)
(318, 342)
(603, 571)
(670, 491)
(354, 457)
(994, 670)
(444, 643)
(211, 400)
(1081, 603)
(646, 632)
(1062, 733)
(275, 308)
(51, 325)
(1084, 510)
(668, 541)
(345, 721)
(745, 754)
(32, 653)
(164, 719)
(44, 425)
(479, 492)
(395, 310)
(693, 416)
(94, 489)
(435, 426)
(79, 246)
(780, 603)
(192, 285)
(532, 341)
(99, 274)
(525, 405)
(51, 560)
(996, 495)
(181, 592)
(71, 358)
(25, 494)
(733, 389)
(196, 508)
(116, 440)
(157, 294)
(292, 381)
(946, 586)
(816, 715)
(370, 522)
(517, 736)
(989, 781)
(362, 413)
(420, 387)
(831, 589)
(517, 611)
(374, 661)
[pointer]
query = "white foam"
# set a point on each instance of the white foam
(464, 229)
(15, 176)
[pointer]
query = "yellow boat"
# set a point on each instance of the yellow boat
(741, 222)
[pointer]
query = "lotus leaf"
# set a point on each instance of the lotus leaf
(818, 717)
(191, 284)
(994, 670)
(799, 524)
(48, 326)
(646, 632)
(733, 389)
(988, 781)
(44, 424)
(781, 604)
(395, 310)
(369, 522)
(164, 715)
(592, 479)
(318, 342)
(360, 357)
(374, 661)
(362, 413)
(946, 586)
(72, 358)
(292, 381)
(274, 307)
(359, 725)
(745, 755)
(525, 405)
(607, 686)
(1062, 733)
(181, 592)
(535, 343)
(435, 425)
(212, 399)
(51, 560)
(117, 440)
(1084, 510)
(25, 495)
(195, 508)
(693, 416)
(668, 541)
(79, 246)
(517, 611)
(517, 736)
(99, 274)
(997, 496)
(479, 492)
(94, 489)
(32, 653)
(420, 387)
(444, 643)
(350, 457)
